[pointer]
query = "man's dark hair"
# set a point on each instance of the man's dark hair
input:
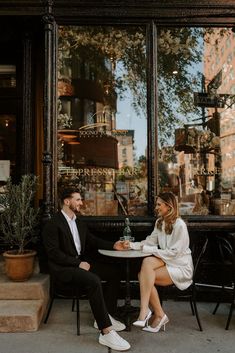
(67, 193)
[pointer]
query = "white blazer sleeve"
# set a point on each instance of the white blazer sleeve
(151, 240)
(178, 244)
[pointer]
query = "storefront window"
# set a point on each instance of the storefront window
(7, 76)
(7, 147)
(102, 120)
(196, 118)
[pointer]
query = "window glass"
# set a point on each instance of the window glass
(7, 147)
(7, 76)
(196, 125)
(102, 121)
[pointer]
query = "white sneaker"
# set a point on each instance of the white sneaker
(117, 325)
(114, 341)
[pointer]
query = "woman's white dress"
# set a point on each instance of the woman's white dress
(173, 249)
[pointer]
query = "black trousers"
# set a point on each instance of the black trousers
(111, 274)
(103, 298)
(90, 283)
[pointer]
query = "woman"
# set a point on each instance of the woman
(170, 261)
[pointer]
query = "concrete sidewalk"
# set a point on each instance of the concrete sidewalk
(182, 334)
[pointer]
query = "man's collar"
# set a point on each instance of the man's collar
(67, 217)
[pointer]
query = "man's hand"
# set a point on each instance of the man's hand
(85, 265)
(122, 245)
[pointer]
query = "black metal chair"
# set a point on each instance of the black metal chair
(227, 267)
(198, 250)
(64, 291)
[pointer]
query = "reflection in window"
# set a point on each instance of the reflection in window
(7, 147)
(197, 118)
(102, 124)
(7, 76)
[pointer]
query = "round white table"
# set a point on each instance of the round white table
(127, 255)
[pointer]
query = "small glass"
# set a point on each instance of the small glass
(129, 238)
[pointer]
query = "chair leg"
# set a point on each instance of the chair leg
(219, 301)
(49, 310)
(78, 316)
(191, 305)
(196, 314)
(230, 311)
(229, 317)
(216, 307)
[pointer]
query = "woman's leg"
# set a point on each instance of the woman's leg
(155, 303)
(147, 278)
(162, 278)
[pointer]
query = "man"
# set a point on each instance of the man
(67, 243)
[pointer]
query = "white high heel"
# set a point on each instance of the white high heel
(162, 324)
(142, 323)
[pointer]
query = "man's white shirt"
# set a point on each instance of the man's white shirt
(74, 230)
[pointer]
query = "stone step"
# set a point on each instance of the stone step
(23, 304)
(37, 287)
(21, 315)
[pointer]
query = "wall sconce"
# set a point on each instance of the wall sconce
(73, 143)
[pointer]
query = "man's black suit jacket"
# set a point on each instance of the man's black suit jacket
(60, 248)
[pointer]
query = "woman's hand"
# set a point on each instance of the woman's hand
(122, 245)
(126, 244)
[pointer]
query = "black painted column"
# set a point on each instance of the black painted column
(48, 112)
(152, 114)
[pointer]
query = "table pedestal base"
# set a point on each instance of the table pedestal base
(126, 312)
(127, 255)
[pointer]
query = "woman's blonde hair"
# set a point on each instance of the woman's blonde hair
(170, 200)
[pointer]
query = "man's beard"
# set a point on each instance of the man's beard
(73, 209)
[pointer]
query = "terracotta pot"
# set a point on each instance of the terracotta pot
(19, 267)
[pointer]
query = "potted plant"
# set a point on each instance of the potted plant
(18, 223)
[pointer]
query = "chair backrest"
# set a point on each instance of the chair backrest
(198, 251)
(225, 248)
(227, 258)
